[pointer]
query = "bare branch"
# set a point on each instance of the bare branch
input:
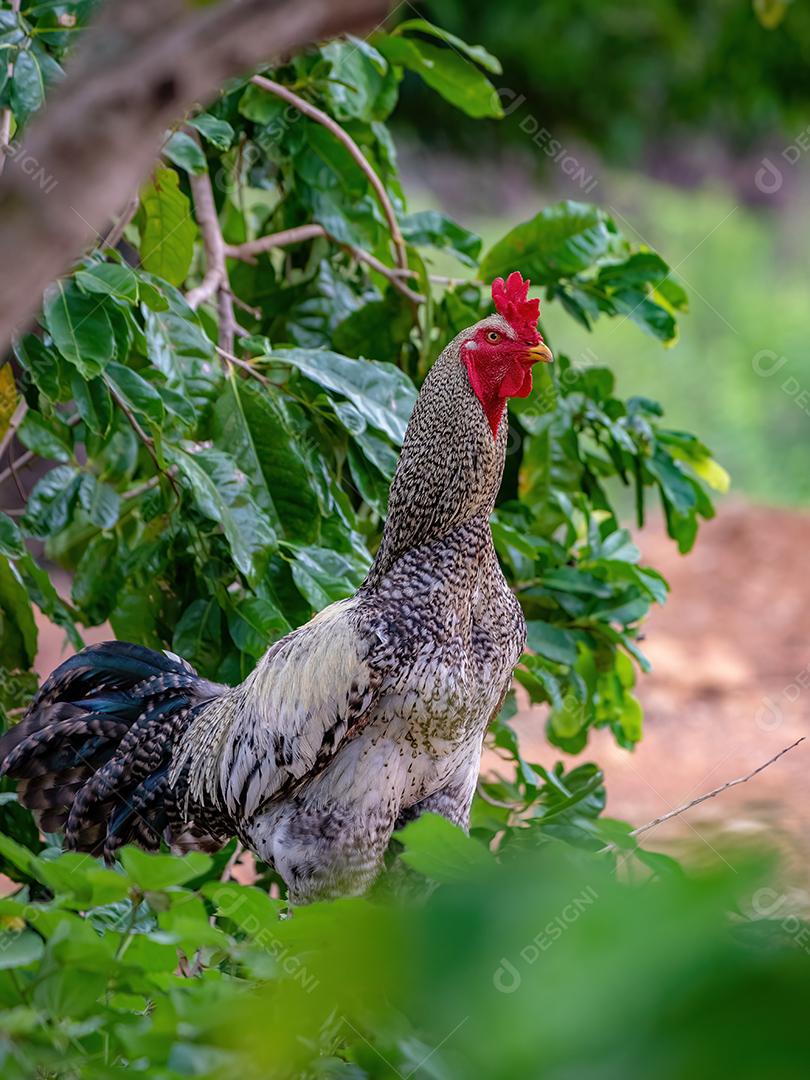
(29, 455)
(284, 238)
(113, 237)
(147, 440)
(300, 233)
(243, 365)
(216, 276)
(139, 68)
(712, 794)
(703, 798)
(357, 154)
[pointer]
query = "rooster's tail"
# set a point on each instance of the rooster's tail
(93, 752)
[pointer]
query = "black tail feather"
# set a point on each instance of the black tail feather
(92, 753)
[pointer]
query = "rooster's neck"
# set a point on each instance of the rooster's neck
(450, 468)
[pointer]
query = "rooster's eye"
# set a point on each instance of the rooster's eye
(493, 336)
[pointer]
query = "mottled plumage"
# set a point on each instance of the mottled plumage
(371, 713)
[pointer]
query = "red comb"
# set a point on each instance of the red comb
(511, 298)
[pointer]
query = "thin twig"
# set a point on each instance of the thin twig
(17, 418)
(5, 115)
(357, 154)
(216, 275)
(285, 237)
(243, 365)
(147, 440)
(113, 237)
(29, 455)
(300, 233)
(709, 795)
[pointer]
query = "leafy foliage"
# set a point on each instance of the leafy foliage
(160, 968)
(208, 501)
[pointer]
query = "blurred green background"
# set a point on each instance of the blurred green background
(663, 114)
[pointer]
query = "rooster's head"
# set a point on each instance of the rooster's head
(499, 351)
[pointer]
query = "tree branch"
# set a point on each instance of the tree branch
(29, 455)
(709, 795)
(300, 233)
(147, 440)
(357, 154)
(138, 69)
(243, 365)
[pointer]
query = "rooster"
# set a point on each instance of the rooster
(367, 716)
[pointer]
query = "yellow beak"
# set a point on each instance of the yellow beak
(540, 352)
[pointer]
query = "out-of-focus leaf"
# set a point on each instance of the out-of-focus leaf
(18, 631)
(47, 439)
(475, 52)
(109, 279)
(10, 539)
(169, 231)
(183, 151)
(218, 132)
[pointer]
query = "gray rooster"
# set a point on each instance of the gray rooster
(362, 719)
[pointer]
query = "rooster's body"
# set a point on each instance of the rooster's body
(368, 715)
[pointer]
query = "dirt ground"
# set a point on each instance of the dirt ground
(730, 687)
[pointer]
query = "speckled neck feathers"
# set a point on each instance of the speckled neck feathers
(450, 468)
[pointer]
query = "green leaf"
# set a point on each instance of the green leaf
(51, 502)
(98, 579)
(99, 501)
(169, 230)
(218, 132)
(183, 151)
(43, 364)
(18, 631)
(382, 393)
(155, 872)
(138, 394)
(256, 428)
(41, 590)
(11, 543)
(456, 79)
(558, 242)
(255, 623)
(324, 576)
(552, 642)
(20, 948)
(27, 86)
(79, 327)
(198, 635)
(93, 402)
(441, 851)
(361, 86)
(432, 228)
(475, 52)
(109, 279)
(46, 439)
(221, 491)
